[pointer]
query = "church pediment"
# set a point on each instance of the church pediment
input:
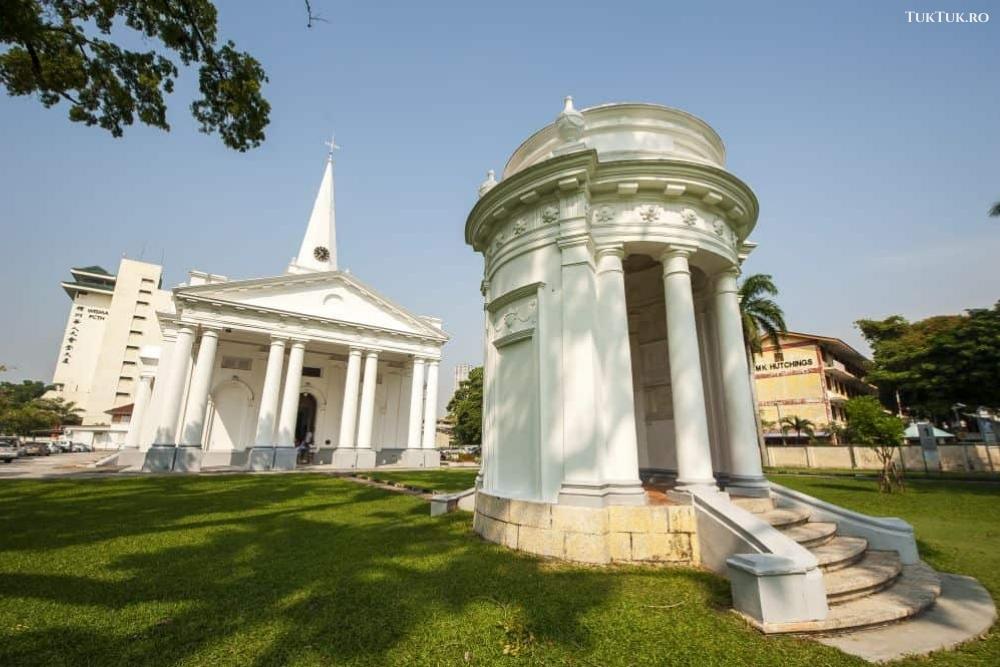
(332, 295)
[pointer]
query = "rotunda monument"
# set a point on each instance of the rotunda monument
(618, 419)
(615, 351)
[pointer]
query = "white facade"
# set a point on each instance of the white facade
(614, 346)
(251, 368)
(111, 317)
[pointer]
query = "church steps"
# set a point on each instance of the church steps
(812, 534)
(784, 517)
(875, 572)
(914, 591)
(840, 552)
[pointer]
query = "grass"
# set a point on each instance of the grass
(441, 480)
(315, 570)
(958, 475)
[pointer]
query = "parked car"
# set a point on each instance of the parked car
(9, 449)
(34, 448)
(80, 447)
(63, 445)
(53, 448)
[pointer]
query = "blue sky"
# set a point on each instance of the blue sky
(872, 143)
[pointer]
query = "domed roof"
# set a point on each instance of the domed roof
(622, 131)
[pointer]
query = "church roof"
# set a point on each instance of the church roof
(336, 296)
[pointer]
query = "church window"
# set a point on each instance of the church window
(312, 371)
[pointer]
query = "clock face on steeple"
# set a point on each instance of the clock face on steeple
(321, 253)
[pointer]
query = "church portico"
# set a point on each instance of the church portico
(252, 371)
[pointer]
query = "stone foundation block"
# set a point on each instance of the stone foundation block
(432, 458)
(284, 458)
(586, 548)
(661, 547)
(630, 519)
(499, 532)
(493, 506)
(682, 519)
(188, 458)
(620, 546)
(525, 513)
(412, 458)
(261, 458)
(541, 541)
(159, 458)
(575, 519)
(366, 459)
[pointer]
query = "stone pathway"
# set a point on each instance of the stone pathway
(55, 465)
(964, 611)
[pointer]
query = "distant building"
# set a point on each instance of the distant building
(110, 317)
(811, 377)
(461, 374)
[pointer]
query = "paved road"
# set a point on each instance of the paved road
(56, 465)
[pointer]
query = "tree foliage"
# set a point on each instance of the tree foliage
(466, 409)
(762, 316)
(869, 424)
(798, 424)
(71, 51)
(939, 361)
(23, 410)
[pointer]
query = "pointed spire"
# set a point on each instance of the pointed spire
(318, 251)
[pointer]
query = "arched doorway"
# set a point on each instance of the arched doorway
(305, 421)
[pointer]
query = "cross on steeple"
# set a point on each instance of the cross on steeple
(332, 145)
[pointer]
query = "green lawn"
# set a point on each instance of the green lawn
(315, 570)
(442, 480)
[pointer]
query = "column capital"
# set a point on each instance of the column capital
(298, 342)
(186, 329)
(371, 352)
(675, 259)
(610, 250)
(432, 361)
(418, 361)
(210, 331)
(354, 351)
(277, 339)
(725, 280)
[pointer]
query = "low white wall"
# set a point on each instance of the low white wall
(956, 458)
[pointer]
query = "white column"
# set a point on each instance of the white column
(268, 412)
(139, 406)
(416, 404)
(741, 427)
(290, 397)
(694, 456)
(201, 381)
(349, 413)
(621, 450)
(367, 417)
(430, 404)
(174, 380)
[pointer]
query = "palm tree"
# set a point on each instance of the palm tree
(799, 425)
(760, 315)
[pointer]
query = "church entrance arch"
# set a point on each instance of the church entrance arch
(305, 421)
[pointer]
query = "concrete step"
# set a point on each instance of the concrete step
(964, 611)
(752, 504)
(785, 517)
(811, 534)
(840, 552)
(875, 572)
(914, 591)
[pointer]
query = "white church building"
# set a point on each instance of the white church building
(248, 369)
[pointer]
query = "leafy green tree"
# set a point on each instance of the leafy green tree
(25, 392)
(938, 361)
(67, 412)
(870, 425)
(466, 409)
(995, 210)
(72, 51)
(24, 419)
(800, 425)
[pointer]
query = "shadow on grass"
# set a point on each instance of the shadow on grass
(268, 570)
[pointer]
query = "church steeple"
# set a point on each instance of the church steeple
(318, 251)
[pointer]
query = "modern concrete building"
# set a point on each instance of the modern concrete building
(807, 376)
(111, 317)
